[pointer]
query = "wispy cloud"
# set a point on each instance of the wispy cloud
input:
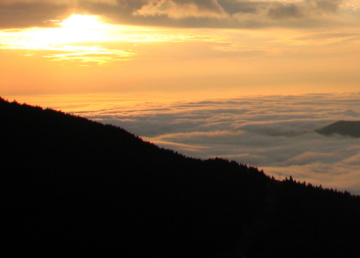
(91, 55)
(96, 42)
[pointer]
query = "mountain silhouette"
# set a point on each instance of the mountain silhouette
(345, 128)
(72, 187)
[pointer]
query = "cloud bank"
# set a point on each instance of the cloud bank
(274, 133)
(178, 13)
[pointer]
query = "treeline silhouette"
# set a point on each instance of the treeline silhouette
(72, 187)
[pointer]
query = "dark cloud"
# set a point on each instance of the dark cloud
(170, 13)
(181, 8)
(234, 6)
(284, 11)
(324, 5)
(217, 13)
(23, 15)
(298, 10)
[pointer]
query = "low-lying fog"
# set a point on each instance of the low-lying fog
(273, 133)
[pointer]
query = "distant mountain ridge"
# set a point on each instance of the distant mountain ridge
(72, 187)
(345, 128)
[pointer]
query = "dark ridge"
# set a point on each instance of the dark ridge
(345, 128)
(71, 187)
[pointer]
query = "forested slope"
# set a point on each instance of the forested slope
(72, 187)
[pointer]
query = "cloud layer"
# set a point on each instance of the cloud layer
(178, 13)
(274, 133)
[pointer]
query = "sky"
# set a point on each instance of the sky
(242, 79)
(203, 47)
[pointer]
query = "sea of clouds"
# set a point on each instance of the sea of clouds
(273, 133)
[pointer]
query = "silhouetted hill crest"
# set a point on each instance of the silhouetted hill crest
(72, 187)
(345, 128)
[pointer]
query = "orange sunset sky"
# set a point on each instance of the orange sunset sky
(179, 48)
(247, 80)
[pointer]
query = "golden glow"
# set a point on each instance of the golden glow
(80, 28)
(81, 22)
(77, 29)
(86, 38)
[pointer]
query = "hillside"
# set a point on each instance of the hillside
(345, 128)
(72, 187)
